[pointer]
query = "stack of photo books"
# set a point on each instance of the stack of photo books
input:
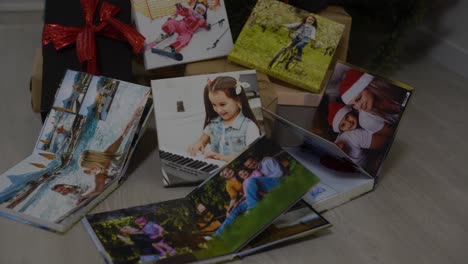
(258, 191)
(81, 154)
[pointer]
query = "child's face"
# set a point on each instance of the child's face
(364, 101)
(200, 10)
(251, 164)
(227, 108)
(310, 20)
(349, 122)
(227, 173)
(244, 174)
(64, 189)
(93, 170)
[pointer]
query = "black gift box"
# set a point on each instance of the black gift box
(113, 56)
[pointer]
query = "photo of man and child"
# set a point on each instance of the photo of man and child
(360, 113)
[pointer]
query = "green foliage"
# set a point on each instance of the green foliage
(177, 219)
(293, 187)
(107, 233)
(212, 195)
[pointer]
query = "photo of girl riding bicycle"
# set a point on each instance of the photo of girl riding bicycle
(302, 33)
(288, 43)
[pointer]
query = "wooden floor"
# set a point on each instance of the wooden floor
(417, 214)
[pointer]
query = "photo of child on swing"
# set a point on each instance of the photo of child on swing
(360, 112)
(182, 31)
(287, 43)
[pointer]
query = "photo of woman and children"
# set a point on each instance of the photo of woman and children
(248, 184)
(362, 113)
(249, 193)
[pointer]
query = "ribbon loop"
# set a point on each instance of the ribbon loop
(84, 37)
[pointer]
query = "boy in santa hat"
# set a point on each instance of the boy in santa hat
(193, 19)
(352, 139)
(374, 98)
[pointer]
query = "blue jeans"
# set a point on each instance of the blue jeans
(300, 46)
(254, 185)
(239, 209)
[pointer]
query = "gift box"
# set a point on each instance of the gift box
(113, 56)
(36, 81)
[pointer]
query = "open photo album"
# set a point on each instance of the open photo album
(182, 31)
(204, 122)
(251, 204)
(81, 154)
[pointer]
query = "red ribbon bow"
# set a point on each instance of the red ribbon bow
(62, 36)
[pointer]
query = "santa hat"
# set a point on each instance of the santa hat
(353, 83)
(336, 112)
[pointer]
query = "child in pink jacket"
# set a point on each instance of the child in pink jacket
(193, 19)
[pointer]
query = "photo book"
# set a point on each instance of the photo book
(182, 31)
(352, 132)
(81, 154)
(251, 204)
(288, 43)
(204, 122)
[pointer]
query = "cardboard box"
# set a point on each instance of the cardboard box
(295, 96)
(36, 81)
